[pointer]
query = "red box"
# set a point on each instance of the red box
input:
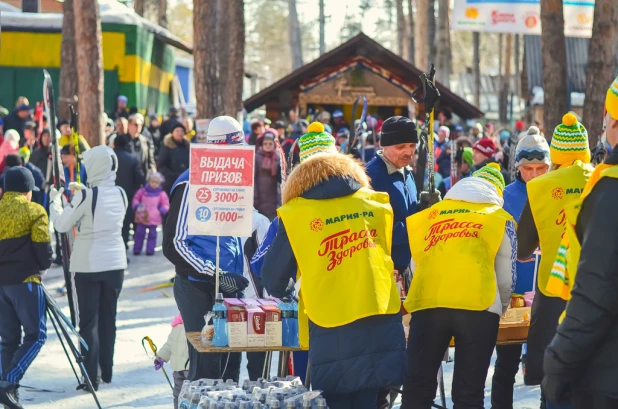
(256, 323)
(236, 323)
(273, 326)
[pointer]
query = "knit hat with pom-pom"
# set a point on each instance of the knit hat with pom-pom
(316, 140)
(611, 100)
(532, 149)
(491, 173)
(569, 142)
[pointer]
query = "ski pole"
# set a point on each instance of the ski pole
(153, 347)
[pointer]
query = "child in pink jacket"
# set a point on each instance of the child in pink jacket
(9, 146)
(150, 204)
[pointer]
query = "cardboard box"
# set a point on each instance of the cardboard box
(251, 301)
(514, 315)
(273, 326)
(236, 323)
(264, 301)
(256, 326)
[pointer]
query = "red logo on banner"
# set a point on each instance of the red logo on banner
(500, 18)
(203, 195)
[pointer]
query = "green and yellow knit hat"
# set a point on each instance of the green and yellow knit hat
(611, 100)
(569, 142)
(491, 173)
(316, 140)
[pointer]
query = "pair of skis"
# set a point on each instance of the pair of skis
(428, 95)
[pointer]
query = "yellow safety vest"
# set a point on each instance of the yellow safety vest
(564, 269)
(454, 245)
(550, 196)
(342, 247)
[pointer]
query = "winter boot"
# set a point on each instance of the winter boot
(8, 396)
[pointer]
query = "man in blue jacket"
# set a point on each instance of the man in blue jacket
(532, 160)
(194, 259)
(390, 172)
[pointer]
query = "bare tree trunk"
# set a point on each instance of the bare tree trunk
(443, 57)
(601, 65)
(232, 98)
(322, 22)
(421, 40)
(223, 31)
(431, 32)
(553, 49)
(204, 55)
(162, 13)
(296, 44)
(517, 65)
(506, 80)
(89, 49)
(138, 6)
(410, 32)
(68, 62)
(476, 68)
(401, 30)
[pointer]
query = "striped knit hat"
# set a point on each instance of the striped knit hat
(316, 140)
(491, 173)
(569, 142)
(611, 100)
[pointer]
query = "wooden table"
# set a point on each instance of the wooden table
(206, 347)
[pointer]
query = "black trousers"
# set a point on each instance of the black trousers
(431, 331)
(21, 306)
(126, 225)
(543, 325)
(194, 299)
(97, 299)
(507, 365)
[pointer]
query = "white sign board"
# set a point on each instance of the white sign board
(519, 16)
(221, 190)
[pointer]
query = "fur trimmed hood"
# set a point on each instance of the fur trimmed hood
(169, 142)
(320, 168)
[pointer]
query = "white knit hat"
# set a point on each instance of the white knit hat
(225, 130)
(532, 148)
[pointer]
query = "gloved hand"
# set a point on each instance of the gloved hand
(429, 199)
(158, 363)
(73, 186)
(556, 389)
(55, 194)
(230, 283)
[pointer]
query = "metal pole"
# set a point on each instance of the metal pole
(217, 268)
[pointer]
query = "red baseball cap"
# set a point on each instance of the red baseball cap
(485, 146)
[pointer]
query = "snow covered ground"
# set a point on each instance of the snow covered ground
(136, 384)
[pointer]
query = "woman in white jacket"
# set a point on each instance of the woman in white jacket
(98, 257)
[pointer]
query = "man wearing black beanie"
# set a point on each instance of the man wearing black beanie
(390, 172)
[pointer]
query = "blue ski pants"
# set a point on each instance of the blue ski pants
(22, 306)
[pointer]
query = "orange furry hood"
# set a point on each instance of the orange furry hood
(319, 168)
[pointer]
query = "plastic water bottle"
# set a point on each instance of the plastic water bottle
(195, 400)
(289, 320)
(219, 320)
(321, 403)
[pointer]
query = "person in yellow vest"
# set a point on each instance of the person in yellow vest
(581, 362)
(463, 263)
(542, 222)
(337, 232)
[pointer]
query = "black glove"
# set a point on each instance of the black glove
(429, 199)
(231, 283)
(556, 389)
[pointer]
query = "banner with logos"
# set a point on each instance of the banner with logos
(221, 190)
(519, 16)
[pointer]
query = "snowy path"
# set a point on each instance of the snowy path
(135, 383)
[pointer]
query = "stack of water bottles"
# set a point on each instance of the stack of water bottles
(274, 393)
(289, 319)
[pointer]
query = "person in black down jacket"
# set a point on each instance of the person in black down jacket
(174, 156)
(129, 176)
(354, 321)
(581, 362)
